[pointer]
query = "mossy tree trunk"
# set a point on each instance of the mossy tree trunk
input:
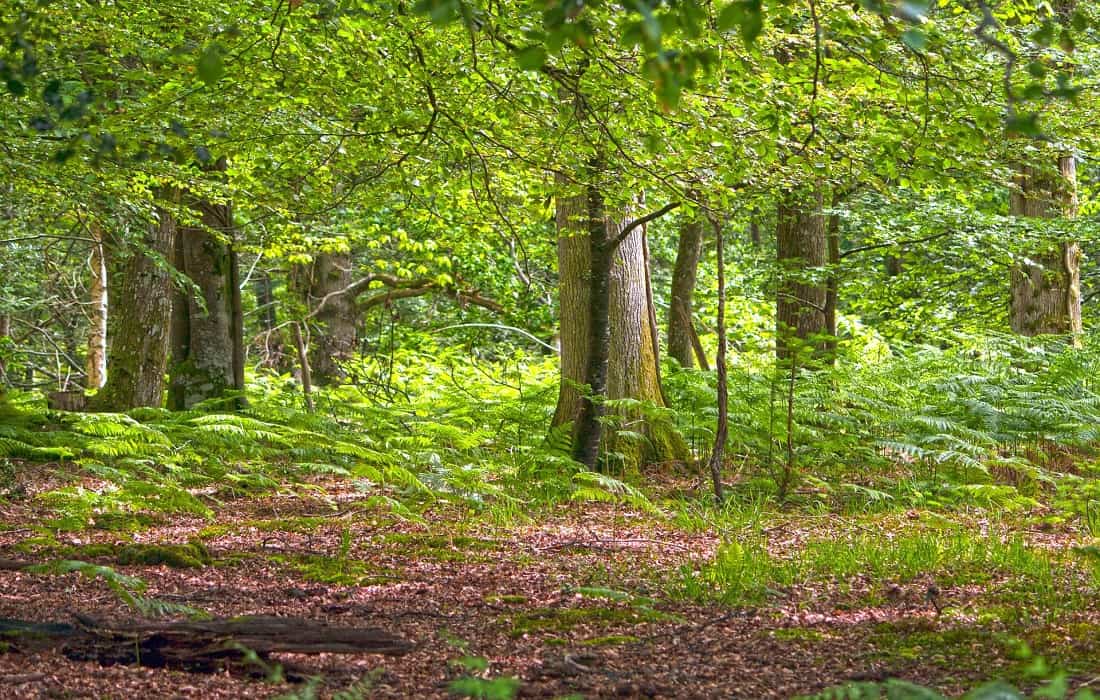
(684, 274)
(624, 341)
(202, 365)
(139, 329)
(802, 253)
(1046, 290)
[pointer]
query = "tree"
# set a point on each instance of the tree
(801, 248)
(337, 321)
(1046, 288)
(607, 337)
(682, 339)
(139, 329)
(203, 364)
(96, 358)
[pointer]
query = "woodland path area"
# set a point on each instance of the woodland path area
(575, 603)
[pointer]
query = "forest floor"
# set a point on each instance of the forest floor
(582, 599)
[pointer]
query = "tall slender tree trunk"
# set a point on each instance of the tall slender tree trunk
(616, 356)
(271, 347)
(96, 358)
(1046, 292)
(684, 274)
(203, 327)
(139, 328)
(721, 433)
(802, 253)
(5, 333)
(333, 340)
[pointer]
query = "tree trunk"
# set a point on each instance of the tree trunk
(236, 317)
(5, 334)
(615, 289)
(202, 335)
(139, 329)
(96, 359)
(333, 340)
(721, 433)
(832, 286)
(1046, 293)
(271, 347)
(802, 252)
(684, 275)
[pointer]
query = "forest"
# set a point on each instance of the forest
(550, 348)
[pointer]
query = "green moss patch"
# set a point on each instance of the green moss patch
(565, 619)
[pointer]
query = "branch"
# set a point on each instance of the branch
(427, 287)
(641, 221)
(893, 244)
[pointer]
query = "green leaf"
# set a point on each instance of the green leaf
(1036, 69)
(746, 15)
(1023, 124)
(531, 57)
(210, 65)
(914, 39)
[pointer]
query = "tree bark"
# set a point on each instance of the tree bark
(203, 348)
(5, 333)
(272, 350)
(717, 455)
(337, 324)
(607, 341)
(684, 274)
(96, 358)
(206, 646)
(1046, 293)
(802, 253)
(832, 286)
(139, 329)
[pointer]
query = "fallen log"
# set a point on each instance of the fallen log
(204, 646)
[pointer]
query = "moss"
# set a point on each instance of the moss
(565, 619)
(124, 522)
(337, 570)
(610, 640)
(505, 599)
(966, 649)
(300, 524)
(442, 547)
(799, 634)
(213, 532)
(193, 555)
(177, 556)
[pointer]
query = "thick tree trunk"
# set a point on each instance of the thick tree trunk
(1046, 293)
(96, 359)
(139, 328)
(333, 338)
(202, 345)
(802, 253)
(625, 338)
(832, 286)
(684, 275)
